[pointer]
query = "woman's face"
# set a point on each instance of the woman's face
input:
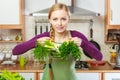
(59, 20)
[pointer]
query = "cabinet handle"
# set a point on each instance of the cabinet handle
(111, 15)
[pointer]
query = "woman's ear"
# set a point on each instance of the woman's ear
(49, 21)
(69, 20)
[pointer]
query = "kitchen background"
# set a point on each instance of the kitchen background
(82, 24)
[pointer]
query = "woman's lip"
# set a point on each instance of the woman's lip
(59, 28)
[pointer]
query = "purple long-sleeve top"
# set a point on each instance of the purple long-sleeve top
(86, 45)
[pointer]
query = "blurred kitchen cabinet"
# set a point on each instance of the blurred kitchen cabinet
(88, 76)
(112, 21)
(34, 6)
(11, 17)
(41, 75)
(28, 76)
(114, 12)
(82, 76)
(112, 76)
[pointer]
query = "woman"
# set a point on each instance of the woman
(59, 17)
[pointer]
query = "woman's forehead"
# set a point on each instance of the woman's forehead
(58, 13)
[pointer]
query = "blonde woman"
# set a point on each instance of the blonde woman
(59, 17)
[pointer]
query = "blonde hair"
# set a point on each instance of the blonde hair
(58, 6)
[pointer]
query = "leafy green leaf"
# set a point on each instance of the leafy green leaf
(63, 51)
(70, 48)
(6, 75)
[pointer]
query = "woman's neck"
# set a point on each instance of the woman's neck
(62, 36)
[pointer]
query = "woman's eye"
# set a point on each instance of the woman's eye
(64, 19)
(54, 19)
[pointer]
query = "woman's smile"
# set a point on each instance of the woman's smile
(60, 28)
(59, 20)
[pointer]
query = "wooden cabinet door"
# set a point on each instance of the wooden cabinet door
(9, 12)
(114, 12)
(12, 17)
(84, 76)
(112, 76)
(112, 21)
(28, 76)
(88, 76)
(41, 75)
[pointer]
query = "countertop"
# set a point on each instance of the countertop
(30, 66)
(39, 67)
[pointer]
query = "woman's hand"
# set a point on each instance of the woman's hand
(76, 40)
(43, 39)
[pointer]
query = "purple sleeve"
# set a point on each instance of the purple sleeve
(91, 50)
(25, 46)
(87, 46)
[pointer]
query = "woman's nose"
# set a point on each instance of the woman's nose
(59, 22)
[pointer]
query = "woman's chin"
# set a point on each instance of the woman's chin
(60, 31)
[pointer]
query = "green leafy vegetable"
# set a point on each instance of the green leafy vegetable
(6, 75)
(63, 51)
(42, 51)
(70, 48)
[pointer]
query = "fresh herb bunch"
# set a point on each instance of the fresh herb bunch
(6, 75)
(43, 50)
(63, 51)
(70, 48)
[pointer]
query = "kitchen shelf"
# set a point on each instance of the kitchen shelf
(12, 41)
(115, 27)
(112, 27)
(11, 27)
(110, 41)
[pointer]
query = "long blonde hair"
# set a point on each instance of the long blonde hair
(58, 6)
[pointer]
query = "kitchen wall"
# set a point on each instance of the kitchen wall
(98, 34)
(98, 25)
(36, 5)
(93, 5)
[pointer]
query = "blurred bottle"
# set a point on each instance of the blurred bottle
(113, 56)
(18, 37)
(0, 37)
